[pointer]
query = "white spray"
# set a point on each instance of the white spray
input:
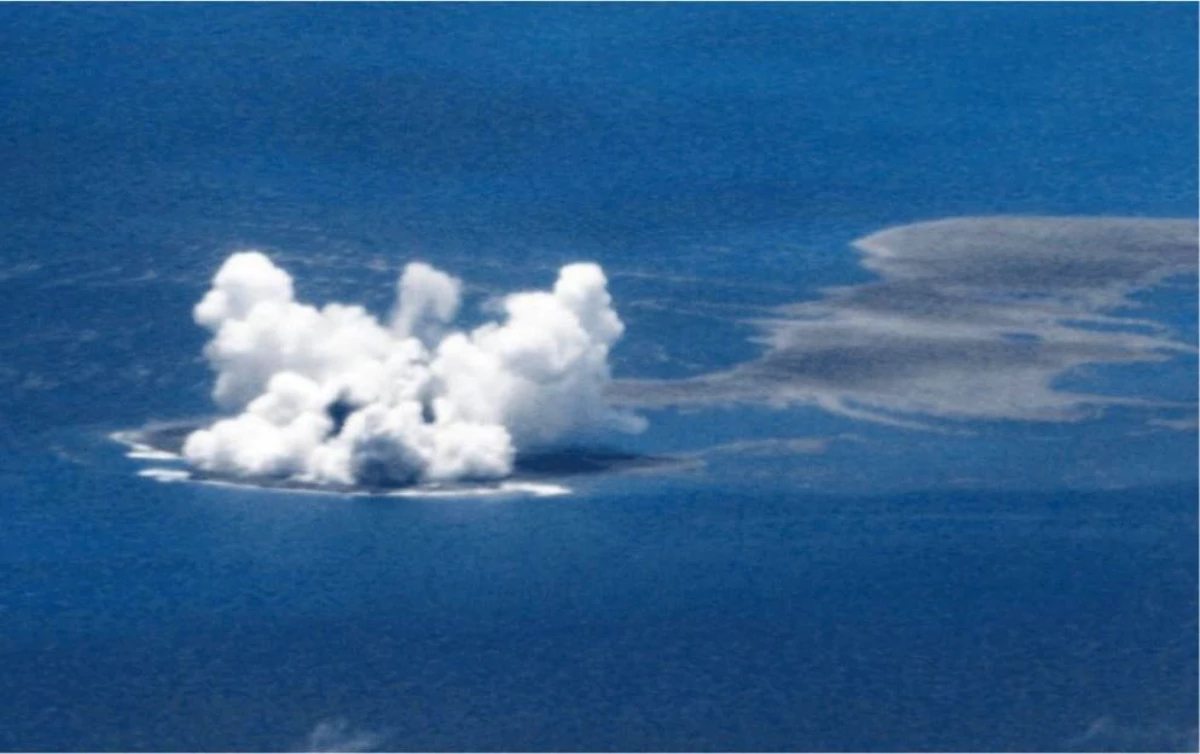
(331, 396)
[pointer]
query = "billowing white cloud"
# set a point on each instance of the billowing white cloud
(331, 396)
(427, 301)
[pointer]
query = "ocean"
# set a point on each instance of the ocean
(894, 556)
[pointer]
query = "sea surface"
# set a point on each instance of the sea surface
(750, 576)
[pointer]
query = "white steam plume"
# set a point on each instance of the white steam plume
(331, 396)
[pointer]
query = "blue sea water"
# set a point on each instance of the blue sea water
(1032, 586)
